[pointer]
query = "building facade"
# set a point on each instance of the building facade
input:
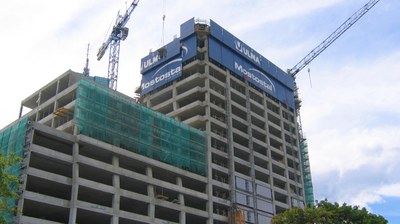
(214, 139)
(211, 80)
(93, 155)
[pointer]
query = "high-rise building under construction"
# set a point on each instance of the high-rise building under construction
(211, 80)
(214, 139)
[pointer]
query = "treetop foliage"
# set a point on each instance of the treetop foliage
(325, 212)
(9, 185)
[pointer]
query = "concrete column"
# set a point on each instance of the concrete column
(149, 171)
(179, 181)
(38, 107)
(182, 217)
(207, 86)
(53, 124)
(151, 210)
(209, 204)
(55, 107)
(76, 131)
(53, 119)
(251, 149)
(116, 197)
(75, 186)
(229, 136)
(148, 103)
(285, 155)
(181, 199)
(175, 105)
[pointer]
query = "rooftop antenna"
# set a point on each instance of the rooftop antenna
(86, 68)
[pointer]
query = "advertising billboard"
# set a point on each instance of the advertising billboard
(239, 58)
(165, 64)
(161, 75)
(242, 49)
(160, 56)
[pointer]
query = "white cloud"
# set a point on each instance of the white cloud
(351, 118)
(391, 190)
(373, 195)
(365, 198)
(247, 15)
(348, 119)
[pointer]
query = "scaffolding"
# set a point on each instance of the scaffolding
(305, 163)
(12, 139)
(116, 119)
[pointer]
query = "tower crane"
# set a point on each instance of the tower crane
(303, 63)
(329, 40)
(119, 32)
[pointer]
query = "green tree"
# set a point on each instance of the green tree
(327, 213)
(9, 185)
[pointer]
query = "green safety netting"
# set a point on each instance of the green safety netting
(305, 164)
(118, 120)
(12, 139)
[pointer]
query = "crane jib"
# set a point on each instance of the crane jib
(328, 41)
(119, 32)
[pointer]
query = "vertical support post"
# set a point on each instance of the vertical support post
(116, 196)
(150, 192)
(74, 191)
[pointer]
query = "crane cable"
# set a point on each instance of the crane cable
(163, 23)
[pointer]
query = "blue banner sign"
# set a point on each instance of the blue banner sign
(159, 56)
(251, 55)
(162, 75)
(187, 28)
(246, 67)
(186, 47)
(165, 65)
(255, 76)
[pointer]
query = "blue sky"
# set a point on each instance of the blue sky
(350, 114)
